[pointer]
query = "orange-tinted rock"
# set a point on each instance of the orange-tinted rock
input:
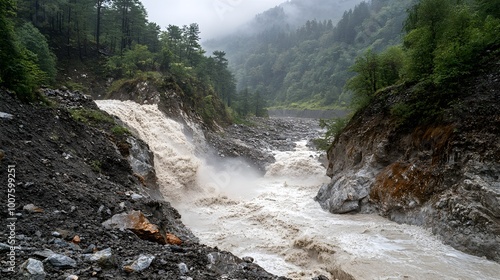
(76, 239)
(136, 222)
(172, 239)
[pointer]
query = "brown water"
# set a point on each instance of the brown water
(274, 218)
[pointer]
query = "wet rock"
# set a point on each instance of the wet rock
(222, 262)
(142, 161)
(321, 277)
(90, 249)
(136, 222)
(141, 263)
(61, 261)
(33, 270)
(71, 277)
(248, 259)
(345, 193)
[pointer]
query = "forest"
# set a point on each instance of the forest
(307, 67)
(321, 64)
(116, 39)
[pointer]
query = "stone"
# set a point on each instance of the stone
(140, 264)
(173, 240)
(31, 208)
(183, 268)
(103, 257)
(72, 277)
(33, 270)
(61, 261)
(6, 116)
(44, 254)
(248, 259)
(76, 239)
(2, 154)
(135, 196)
(136, 222)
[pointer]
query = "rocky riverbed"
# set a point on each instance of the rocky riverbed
(256, 140)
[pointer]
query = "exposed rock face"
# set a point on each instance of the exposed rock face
(444, 175)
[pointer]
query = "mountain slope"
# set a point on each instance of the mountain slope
(308, 66)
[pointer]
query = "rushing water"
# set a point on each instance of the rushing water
(274, 218)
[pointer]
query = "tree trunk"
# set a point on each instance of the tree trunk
(98, 25)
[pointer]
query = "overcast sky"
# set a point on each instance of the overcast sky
(215, 17)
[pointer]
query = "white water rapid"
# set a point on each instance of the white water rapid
(274, 218)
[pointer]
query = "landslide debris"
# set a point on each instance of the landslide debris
(72, 174)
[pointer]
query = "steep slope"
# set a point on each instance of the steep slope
(443, 175)
(85, 201)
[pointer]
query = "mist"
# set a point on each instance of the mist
(215, 17)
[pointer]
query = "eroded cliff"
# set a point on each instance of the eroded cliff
(443, 174)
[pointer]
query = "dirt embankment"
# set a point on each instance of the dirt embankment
(81, 209)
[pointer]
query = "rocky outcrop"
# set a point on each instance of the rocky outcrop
(444, 175)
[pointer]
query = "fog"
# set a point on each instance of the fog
(215, 17)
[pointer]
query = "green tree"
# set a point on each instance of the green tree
(489, 7)
(191, 37)
(35, 42)
(17, 70)
(366, 82)
(424, 26)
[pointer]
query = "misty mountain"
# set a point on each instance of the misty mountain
(307, 66)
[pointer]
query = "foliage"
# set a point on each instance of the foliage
(119, 130)
(333, 129)
(96, 166)
(310, 65)
(374, 71)
(35, 42)
(446, 38)
(17, 69)
(132, 61)
(89, 116)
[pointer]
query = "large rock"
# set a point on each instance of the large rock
(142, 162)
(141, 263)
(136, 222)
(33, 270)
(103, 258)
(61, 261)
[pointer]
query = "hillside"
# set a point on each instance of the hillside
(307, 66)
(87, 203)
